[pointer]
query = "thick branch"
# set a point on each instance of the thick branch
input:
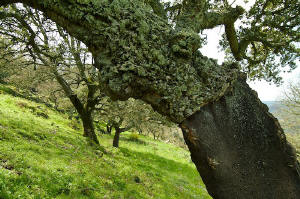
(213, 19)
(139, 55)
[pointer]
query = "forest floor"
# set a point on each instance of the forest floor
(42, 155)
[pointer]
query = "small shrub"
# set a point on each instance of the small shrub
(134, 137)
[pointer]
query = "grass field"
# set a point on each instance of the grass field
(42, 156)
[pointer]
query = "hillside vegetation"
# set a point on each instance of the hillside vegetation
(44, 155)
(290, 122)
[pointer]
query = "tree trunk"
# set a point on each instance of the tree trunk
(237, 146)
(88, 127)
(116, 137)
(108, 129)
(140, 131)
(240, 150)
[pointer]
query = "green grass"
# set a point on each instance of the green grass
(47, 158)
(294, 139)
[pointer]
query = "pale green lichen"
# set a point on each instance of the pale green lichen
(140, 55)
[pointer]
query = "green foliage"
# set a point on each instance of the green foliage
(294, 139)
(134, 137)
(132, 51)
(140, 54)
(48, 159)
(290, 122)
(269, 39)
(9, 63)
(288, 114)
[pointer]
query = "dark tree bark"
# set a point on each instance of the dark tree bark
(240, 150)
(84, 111)
(140, 131)
(108, 128)
(116, 138)
(117, 134)
(237, 146)
(88, 126)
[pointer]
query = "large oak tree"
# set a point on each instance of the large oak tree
(149, 50)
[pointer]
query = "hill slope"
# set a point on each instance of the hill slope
(42, 156)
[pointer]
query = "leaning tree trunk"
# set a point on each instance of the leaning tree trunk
(88, 127)
(238, 147)
(240, 150)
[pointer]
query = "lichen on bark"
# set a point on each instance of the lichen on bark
(139, 54)
(147, 59)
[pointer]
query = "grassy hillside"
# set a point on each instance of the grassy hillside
(42, 156)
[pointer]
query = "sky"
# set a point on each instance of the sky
(265, 90)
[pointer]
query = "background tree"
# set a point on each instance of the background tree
(121, 116)
(140, 52)
(288, 114)
(292, 97)
(10, 57)
(116, 115)
(66, 60)
(133, 115)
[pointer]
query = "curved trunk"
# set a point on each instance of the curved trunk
(88, 127)
(240, 149)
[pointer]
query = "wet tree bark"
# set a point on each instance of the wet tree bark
(240, 150)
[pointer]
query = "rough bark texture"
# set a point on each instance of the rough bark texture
(140, 55)
(240, 149)
(85, 111)
(88, 127)
(116, 138)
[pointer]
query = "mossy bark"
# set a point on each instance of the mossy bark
(88, 126)
(238, 147)
(85, 111)
(240, 150)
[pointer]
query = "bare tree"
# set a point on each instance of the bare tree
(292, 97)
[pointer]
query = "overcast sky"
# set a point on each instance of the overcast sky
(266, 92)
